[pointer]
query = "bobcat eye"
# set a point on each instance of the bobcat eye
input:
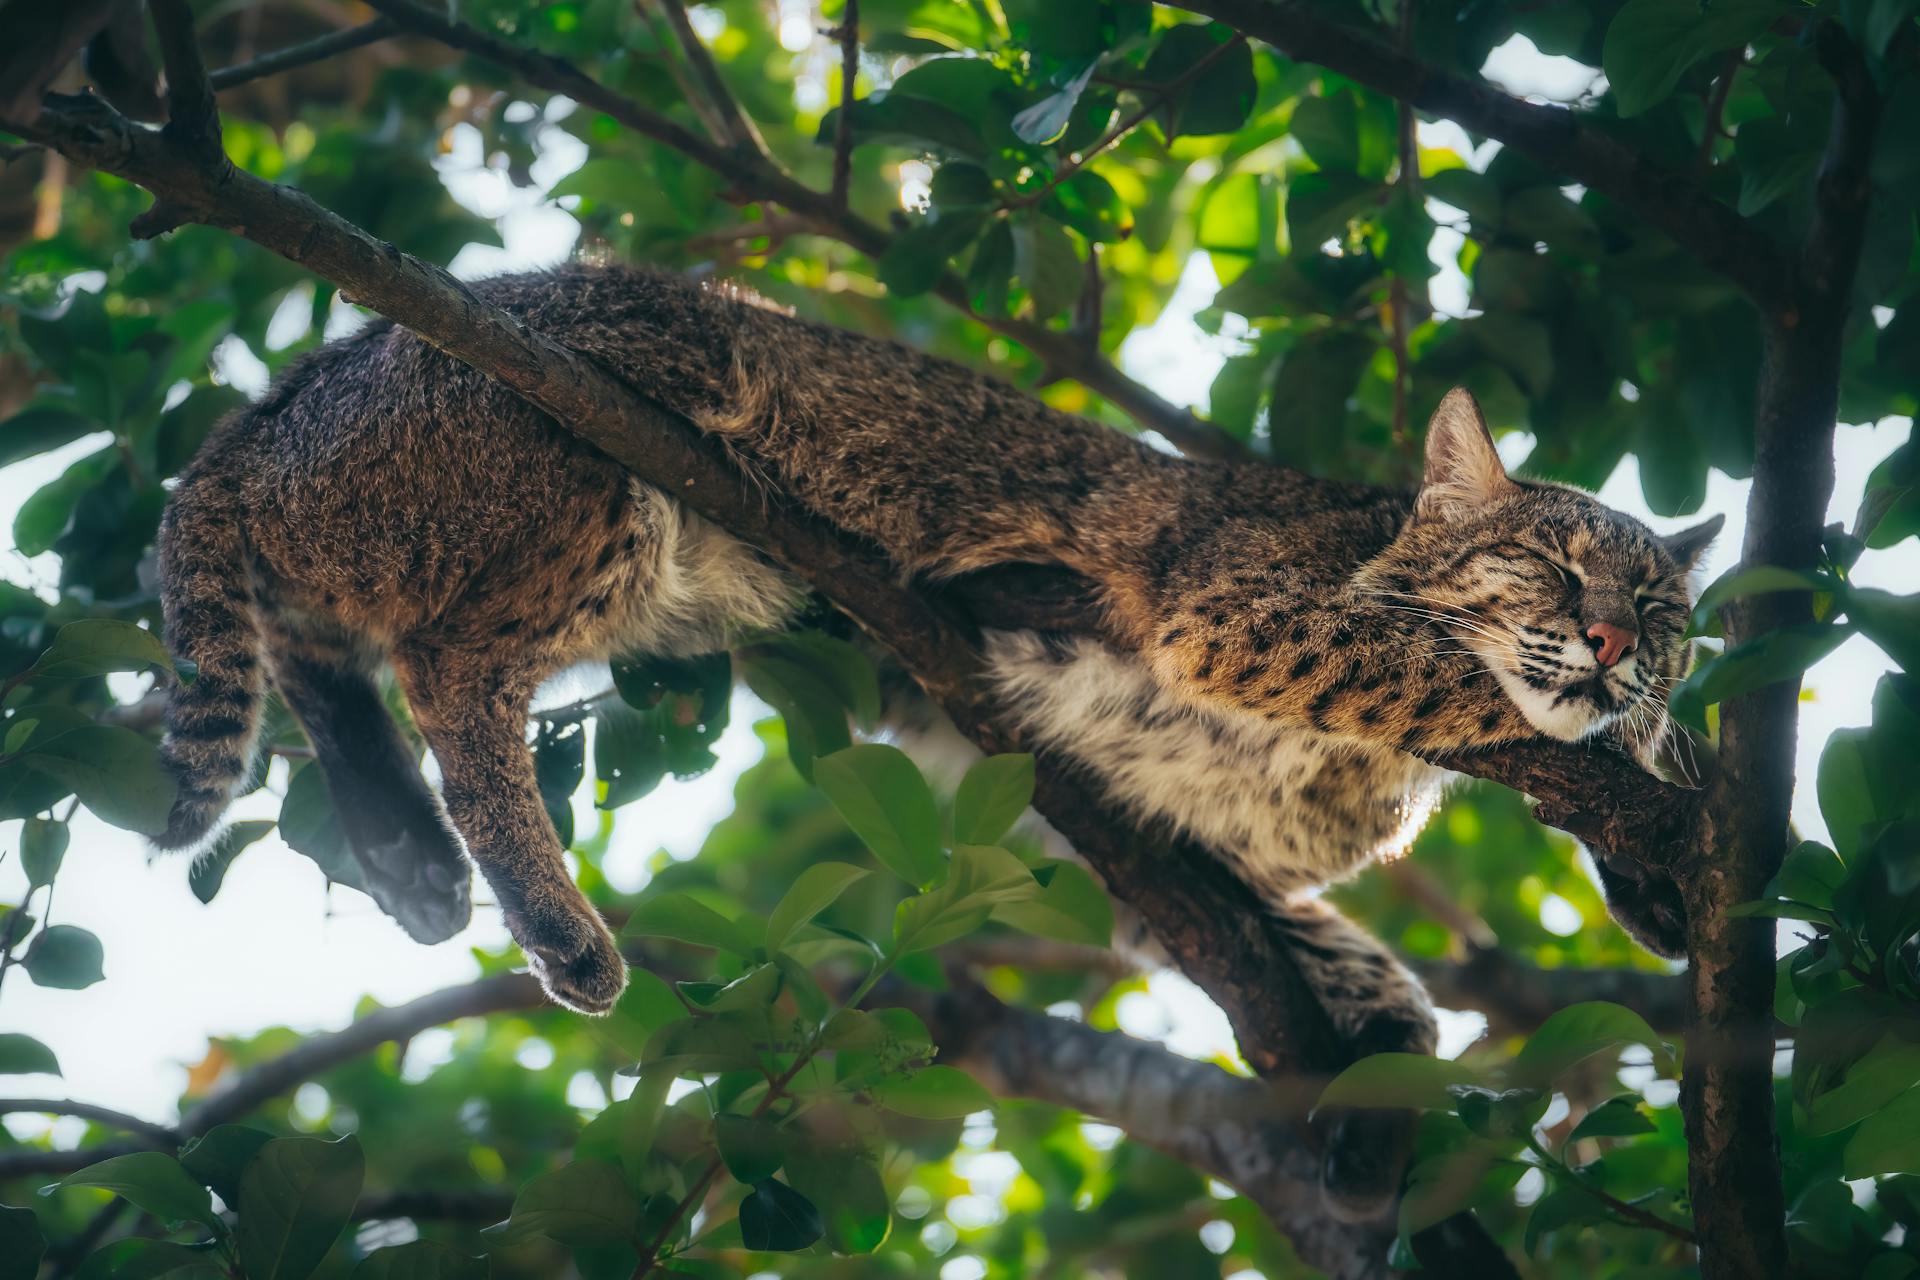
(1568, 578)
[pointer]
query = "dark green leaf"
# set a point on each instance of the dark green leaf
(43, 843)
(1411, 1080)
(64, 956)
(296, 1197)
(420, 1260)
(881, 794)
(22, 1055)
(150, 1260)
(778, 1218)
(219, 1157)
(210, 868)
(991, 798)
(812, 892)
(1651, 43)
(1619, 1117)
(153, 1181)
(115, 772)
(1578, 1032)
(750, 1145)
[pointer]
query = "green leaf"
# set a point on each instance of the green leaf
(1048, 265)
(1217, 100)
(846, 1187)
(96, 646)
(1070, 906)
(220, 1156)
(64, 956)
(776, 1217)
(991, 798)
(815, 715)
(1881, 1075)
(980, 879)
(1392, 1080)
(1766, 659)
(757, 988)
(153, 1181)
(580, 1204)
(43, 843)
(685, 918)
(1561, 1208)
(1757, 580)
(21, 1244)
(625, 1129)
(1577, 1033)
(1890, 621)
(115, 772)
(933, 1093)
(22, 1055)
(420, 1260)
(1501, 1114)
(38, 428)
(311, 826)
(1440, 1186)
(296, 1197)
(918, 256)
(812, 892)
(1320, 205)
(210, 868)
(1619, 1117)
(882, 796)
(1046, 120)
(750, 1145)
(1651, 43)
(149, 1260)
(1891, 1144)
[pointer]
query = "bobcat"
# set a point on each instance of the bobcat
(1280, 644)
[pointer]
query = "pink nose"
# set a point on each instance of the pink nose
(1610, 643)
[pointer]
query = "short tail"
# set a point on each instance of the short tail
(213, 718)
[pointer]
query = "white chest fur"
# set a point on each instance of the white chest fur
(1290, 808)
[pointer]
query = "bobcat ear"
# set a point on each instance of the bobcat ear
(1688, 545)
(1464, 473)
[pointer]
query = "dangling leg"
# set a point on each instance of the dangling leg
(409, 858)
(472, 706)
(1379, 1007)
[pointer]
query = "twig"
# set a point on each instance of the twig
(158, 1134)
(1081, 159)
(1408, 181)
(848, 33)
(1629, 1212)
(299, 55)
(736, 129)
(649, 11)
(1710, 128)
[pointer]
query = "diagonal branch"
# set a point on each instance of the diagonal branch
(299, 55)
(754, 178)
(1555, 137)
(737, 129)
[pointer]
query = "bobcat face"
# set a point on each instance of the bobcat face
(1577, 610)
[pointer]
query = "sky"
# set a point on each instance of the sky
(275, 948)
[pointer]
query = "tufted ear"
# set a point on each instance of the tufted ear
(1688, 545)
(1464, 473)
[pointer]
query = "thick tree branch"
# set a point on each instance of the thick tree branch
(1518, 997)
(753, 177)
(1727, 1089)
(1555, 137)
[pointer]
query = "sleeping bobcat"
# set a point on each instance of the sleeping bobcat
(1282, 644)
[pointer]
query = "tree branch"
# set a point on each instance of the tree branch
(299, 55)
(1554, 137)
(737, 129)
(848, 33)
(1726, 1092)
(155, 1133)
(754, 178)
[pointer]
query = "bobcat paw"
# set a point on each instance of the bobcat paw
(573, 955)
(425, 889)
(1646, 904)
(1363, 1162)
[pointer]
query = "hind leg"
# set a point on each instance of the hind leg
(1379, 1007)
(410, 860)
(472, 706)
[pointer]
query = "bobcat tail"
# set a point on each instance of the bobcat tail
(213, 719)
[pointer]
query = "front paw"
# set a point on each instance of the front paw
(1363, 1162)
(1646, 904)
(571, 951)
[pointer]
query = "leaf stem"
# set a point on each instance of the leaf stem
(1631, 1213)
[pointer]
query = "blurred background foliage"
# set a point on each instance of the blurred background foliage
(1037, 165)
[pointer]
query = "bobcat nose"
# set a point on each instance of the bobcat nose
(1610, 643)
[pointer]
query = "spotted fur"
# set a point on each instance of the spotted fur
(1285, 644)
